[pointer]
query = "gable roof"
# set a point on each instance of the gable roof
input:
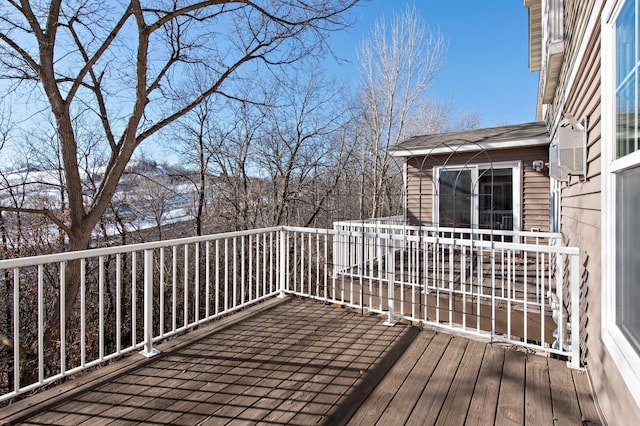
(518, 135)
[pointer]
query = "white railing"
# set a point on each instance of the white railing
(507, 291)
(133, 296)
(349, 254)
(129, 297)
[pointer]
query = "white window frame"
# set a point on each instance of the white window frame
(621, 351)
(516, 168)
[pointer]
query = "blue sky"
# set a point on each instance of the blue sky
(486, 68)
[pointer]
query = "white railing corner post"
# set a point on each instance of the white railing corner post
(391, 272)
(575, 311)
(148, 350)
(283, 263)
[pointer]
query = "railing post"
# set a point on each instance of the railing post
(148, 350)
(391, 272)
(283, 263)
(575, 311)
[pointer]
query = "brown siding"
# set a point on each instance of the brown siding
(535, 191)
(581, 207)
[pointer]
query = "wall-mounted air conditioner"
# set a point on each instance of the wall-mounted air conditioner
(555, 171)
(567, 152)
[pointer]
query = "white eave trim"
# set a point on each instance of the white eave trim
(535, 33)
(471, 147)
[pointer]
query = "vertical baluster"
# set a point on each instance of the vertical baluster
(235, 272)
(101, 307)
(295, 261)
(207, 295)
(83, 329)
(40, 323)
(185, 293)
(560, 293)
(174, 289)
(196, 272)
(16, 329)
(265, 247)
(242, 271)
(402, 273)
(436, 276)
(63, 322)
(463, 285)
(493, 290)
(510, 293)
(118, 302)
(479, 285)
(271, 266)
(526, 296)
(282, 256)
(226, 274)
(309, 264)
(161, 295)
(148, 350)
(317, 265)
(217, 257)
(425, 278)
(250, 278)
(326, 265)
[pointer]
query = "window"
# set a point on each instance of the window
(628, 255)
(478, 196)
(627, 175)
(620, 193)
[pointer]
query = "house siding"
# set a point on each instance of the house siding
(581, 203)
(535, 185)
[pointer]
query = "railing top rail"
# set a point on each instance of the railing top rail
(69, 256)
(106, 251)
(373, 219)
(459, 242)
(496, 232)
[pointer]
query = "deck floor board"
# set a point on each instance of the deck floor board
(302, 362)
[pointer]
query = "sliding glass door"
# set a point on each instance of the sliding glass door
(456, 198)
(478, 196)
(496, 199)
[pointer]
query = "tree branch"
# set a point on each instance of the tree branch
(44, 212)
(98, 54)
(23, 53)
(104, 118)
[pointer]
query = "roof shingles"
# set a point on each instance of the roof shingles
(493, 135)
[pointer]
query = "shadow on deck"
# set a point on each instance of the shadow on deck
(302, 362)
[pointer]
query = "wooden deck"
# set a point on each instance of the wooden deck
(302, 362)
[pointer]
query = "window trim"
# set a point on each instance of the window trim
(621, 351)
(516, 168)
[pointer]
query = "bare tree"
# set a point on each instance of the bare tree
(433, 116)
(200, 137)
(123, 66)
(467, 120)
(430, 116)
(399, 60)
(296, 149)
(238, 194)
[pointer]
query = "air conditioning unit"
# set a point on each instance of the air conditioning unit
(572, 149)
(567, 152)
(555, 171)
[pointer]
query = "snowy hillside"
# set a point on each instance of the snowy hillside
(147, 196)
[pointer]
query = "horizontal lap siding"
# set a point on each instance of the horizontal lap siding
(581, 206)
(581, 198)
(535, 191)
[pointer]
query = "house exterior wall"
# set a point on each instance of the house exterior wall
(535, 185)
(579, 95)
